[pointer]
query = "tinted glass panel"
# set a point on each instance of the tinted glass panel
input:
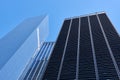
(105, 65)
(86, 64)
(69, 63)
(54, 63)
(112, 36)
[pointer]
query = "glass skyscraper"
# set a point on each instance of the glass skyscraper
(20, 44)
(87, 48)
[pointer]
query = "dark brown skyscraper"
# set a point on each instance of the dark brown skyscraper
(87, 48)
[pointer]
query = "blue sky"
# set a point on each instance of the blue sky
(12, 12)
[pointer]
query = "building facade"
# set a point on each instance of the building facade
(20, 44)
(36, 66)
(87, 48)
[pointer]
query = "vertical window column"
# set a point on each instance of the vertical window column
(109, 48)
(93, 51)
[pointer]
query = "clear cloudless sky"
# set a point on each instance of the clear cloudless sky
(12, 12)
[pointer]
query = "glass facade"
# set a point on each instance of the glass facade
(19, 45)
(36, 66)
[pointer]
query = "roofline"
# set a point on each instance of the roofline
(90, 14)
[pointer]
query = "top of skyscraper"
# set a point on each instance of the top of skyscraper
(90, 14)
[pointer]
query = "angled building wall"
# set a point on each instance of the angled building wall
(19, 45)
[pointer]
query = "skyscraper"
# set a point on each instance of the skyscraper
(20, 44)
(87, 48)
